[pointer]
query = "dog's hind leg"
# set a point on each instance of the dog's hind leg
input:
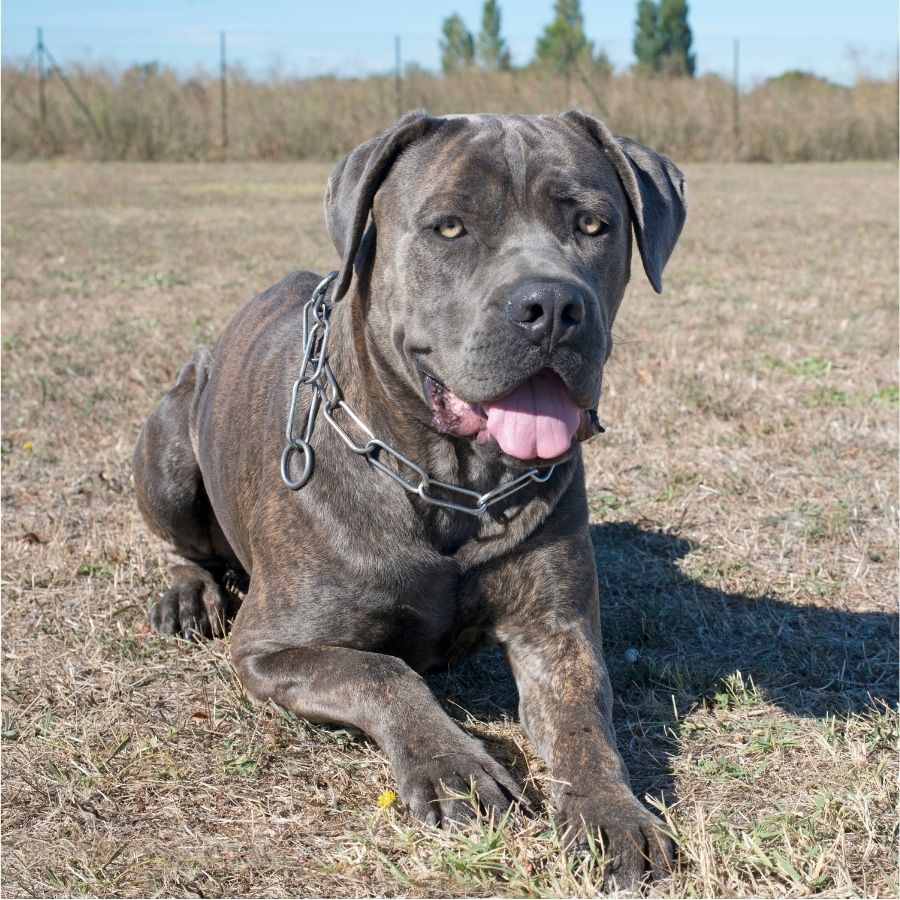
(173, 501)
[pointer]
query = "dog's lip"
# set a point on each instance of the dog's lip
(449, 412)
(475, 404)
(428, 376)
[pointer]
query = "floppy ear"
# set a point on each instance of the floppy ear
(353, 184)
(655, 189)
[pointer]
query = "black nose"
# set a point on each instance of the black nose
(550, 312)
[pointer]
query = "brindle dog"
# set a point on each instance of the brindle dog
(484, 258)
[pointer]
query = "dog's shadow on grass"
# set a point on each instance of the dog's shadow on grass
(667, 635)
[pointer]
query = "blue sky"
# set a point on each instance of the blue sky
(834, 39)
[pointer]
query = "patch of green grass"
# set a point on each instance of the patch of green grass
(94, 569)
(819, 582)
(721, 768)
(695, 395)
(825, 396)
(889, 395)
(9, 731)
(811, 367)
(488, 855)
(601, 501)
(241, 757)
(164, 281)
(770, 736)
(717, 572)
(12, 342)
(734, 691)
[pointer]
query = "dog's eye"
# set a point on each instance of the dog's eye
(590, 224)
(451, 227)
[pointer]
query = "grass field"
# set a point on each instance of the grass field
(744, 503)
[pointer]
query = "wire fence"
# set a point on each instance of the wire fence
(209, 91)
(296, 54)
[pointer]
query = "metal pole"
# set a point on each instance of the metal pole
(223, 82)
(398, 77)
(42, 76)
(55, 67)
(736, 113)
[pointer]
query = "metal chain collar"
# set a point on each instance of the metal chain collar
(326, 397)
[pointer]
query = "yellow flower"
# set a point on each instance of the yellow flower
(386, 798)
(28, 446)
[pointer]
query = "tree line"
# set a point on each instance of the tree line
(662, 41)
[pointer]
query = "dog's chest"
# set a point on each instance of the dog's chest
(421, 611)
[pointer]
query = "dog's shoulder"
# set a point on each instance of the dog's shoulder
(293, 288)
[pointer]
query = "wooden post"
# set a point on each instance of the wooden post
(42, 76)
(398, 77)
(223, 90)
(736, 93)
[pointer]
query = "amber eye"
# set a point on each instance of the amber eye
(590, 224)
(451, 227)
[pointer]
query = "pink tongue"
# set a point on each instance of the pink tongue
(537, 419)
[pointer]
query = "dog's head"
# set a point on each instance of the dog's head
(495, 261)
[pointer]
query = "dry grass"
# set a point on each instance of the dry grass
(744, 501)
(151, 113)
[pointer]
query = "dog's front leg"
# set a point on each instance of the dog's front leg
(551, 637)
(434, 761)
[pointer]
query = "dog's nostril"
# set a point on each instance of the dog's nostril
(572, 313)
(532, 313)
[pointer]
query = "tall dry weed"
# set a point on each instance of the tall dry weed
(151, 113)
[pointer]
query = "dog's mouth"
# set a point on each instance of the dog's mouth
(537, 419)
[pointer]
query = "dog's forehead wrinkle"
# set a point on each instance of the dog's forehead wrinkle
(461, 165)
(424, 167)
(515, 157)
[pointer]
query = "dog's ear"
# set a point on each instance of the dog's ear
(354, 182)
(655, 189)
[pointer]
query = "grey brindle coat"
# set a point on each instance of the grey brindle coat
(355, 586)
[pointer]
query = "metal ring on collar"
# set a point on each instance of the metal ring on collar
(297, 445)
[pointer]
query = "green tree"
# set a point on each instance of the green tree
(675, 37)
(646, 35)
(492, 51)
(662, 37)
(564, 42)
(457, 45)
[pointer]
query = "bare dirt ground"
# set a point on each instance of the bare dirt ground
(744, 503)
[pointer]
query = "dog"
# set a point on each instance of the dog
(483, 261)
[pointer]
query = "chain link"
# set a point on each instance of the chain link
(326, 397)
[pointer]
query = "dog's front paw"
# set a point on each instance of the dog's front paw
(631, 838)
(436, 782)
(193, 608)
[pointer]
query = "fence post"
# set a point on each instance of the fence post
(398, 77)
(223, 90)
(736, 95)
(42, 76)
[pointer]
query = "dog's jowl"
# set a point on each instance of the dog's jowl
(483, 262)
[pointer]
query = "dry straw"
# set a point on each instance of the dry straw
(151, 113)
